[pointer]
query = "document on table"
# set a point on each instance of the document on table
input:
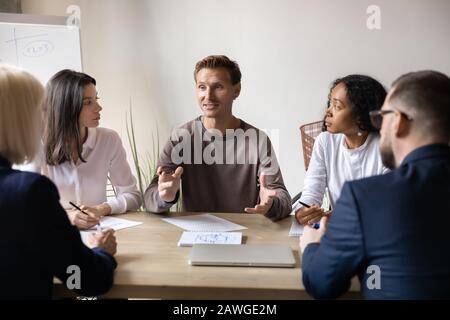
(204, 222)
(188, 238)
(296, 229)
(109, 223)
(116, 223)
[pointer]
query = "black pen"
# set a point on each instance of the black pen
(99, 227)
(77, 207)
(304, 204)
(313, 225)
(308, 206)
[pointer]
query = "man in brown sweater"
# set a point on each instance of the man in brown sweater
(222, 163)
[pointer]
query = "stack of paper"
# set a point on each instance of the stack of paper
(188, 238)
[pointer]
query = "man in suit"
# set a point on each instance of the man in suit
(392, 230)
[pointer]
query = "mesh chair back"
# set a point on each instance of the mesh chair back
(309, 132)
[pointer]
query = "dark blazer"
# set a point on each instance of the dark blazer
(37, 241)
(398, 222)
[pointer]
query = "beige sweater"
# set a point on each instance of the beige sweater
(220, 172)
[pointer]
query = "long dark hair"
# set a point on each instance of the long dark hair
(365, 94)
(63, 105)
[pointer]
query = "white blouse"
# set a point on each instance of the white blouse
(85, 182)
(332, 163)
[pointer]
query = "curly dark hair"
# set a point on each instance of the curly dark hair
(365, 94)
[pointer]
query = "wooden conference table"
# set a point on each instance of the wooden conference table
(151, 265)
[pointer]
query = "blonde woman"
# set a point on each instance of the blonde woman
(37, 240)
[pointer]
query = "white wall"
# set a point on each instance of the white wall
(289, 52)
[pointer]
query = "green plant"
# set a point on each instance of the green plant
(145, 166)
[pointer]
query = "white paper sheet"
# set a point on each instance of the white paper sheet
(109, 223)
(116, 223)
(188, 238)
(204, 222)
(296, 229)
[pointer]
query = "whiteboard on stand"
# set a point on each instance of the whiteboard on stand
(40, 48)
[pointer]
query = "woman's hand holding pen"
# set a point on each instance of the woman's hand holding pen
(105, 240)
(82, 220)
(311, 215)
(98, 211)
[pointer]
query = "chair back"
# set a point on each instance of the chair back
(309, 132)
(110, 190)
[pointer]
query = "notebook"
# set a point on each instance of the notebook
(250, 255)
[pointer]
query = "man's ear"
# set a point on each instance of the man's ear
(401, 126)
(237, 90)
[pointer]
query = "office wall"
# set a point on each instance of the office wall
(289, 52)
(10, 6)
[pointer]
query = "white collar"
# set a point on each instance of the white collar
(358, 149)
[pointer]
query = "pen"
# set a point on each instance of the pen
(76, 207)
(304, 204)
(314, 225)
(99, 227)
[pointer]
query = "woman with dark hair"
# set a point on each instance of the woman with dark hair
(37, 240)
(348, 150)
(80, 156)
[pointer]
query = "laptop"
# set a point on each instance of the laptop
(250, 255)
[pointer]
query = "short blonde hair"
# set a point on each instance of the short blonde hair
(21, 98)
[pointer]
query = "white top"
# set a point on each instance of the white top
(85, 182)
(333, 163)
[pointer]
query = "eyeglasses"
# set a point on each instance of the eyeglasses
(376, 117)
